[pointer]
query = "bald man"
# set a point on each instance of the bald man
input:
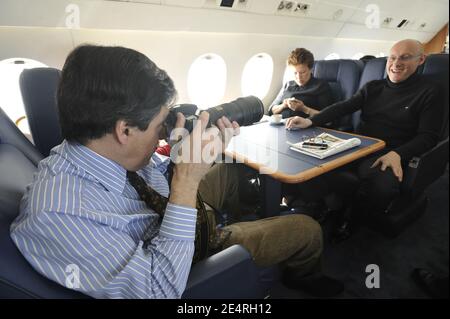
(404, 110)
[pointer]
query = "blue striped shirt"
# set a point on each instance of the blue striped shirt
(80, 211)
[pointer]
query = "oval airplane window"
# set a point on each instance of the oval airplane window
(332, 56)
(10, 96)
(288, 75)
(257, 75)
(206, 80)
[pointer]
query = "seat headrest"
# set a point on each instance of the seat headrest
(435, 69)
(436, 65)
(327, 70)
(39, 88)
(345, 73)
(374, 69)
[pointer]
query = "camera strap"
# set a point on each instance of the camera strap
(208, 238)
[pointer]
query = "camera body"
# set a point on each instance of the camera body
(244, 110)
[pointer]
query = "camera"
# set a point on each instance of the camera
(244, 110)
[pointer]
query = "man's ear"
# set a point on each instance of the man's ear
(122, 132)
(422, 59)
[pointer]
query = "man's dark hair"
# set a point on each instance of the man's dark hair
(367, 58)
(101, 85)
(301, 56)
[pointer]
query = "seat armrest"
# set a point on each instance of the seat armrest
(231, 273)
(425, 169)
(10, 134)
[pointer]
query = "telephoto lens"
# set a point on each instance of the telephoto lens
(244, 110)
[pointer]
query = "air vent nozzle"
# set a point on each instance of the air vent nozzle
(227, 3)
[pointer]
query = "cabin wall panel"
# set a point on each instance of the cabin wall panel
(175, 51)
(47, 45)
(433, 13)
(95, 14)
(362, 33)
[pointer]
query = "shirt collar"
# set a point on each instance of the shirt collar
(160, 162)
(311, 81)
(108, 172)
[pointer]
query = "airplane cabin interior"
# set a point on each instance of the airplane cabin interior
(215, 52)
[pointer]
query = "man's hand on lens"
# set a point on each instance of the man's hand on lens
(297, 122)
(227, 130)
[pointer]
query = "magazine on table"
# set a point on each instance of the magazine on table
(324, 145)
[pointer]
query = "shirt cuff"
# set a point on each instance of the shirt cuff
(179, 222)
(405, 154)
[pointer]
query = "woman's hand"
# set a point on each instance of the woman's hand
(296, 105)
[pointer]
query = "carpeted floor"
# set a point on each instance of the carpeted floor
(423, 244)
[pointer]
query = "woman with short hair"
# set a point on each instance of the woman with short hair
(305, 94)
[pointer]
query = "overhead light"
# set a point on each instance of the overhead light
(227, 3)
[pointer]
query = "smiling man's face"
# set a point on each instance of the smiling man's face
(404, 59)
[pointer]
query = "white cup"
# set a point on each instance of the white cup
(276, 118)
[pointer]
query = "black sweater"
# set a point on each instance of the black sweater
(408, 115)
(315, 93)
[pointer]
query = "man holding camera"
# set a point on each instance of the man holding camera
(86, 205)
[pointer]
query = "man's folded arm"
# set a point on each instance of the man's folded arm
(339, 109)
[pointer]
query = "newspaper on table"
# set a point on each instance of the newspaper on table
(334, 144)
